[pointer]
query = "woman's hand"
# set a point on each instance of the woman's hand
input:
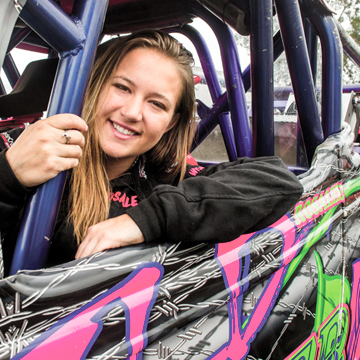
(113, 233)
(42, 150)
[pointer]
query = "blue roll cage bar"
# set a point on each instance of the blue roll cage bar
(75, 38)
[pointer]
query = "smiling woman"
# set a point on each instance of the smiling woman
(129, 181)
(137, 107)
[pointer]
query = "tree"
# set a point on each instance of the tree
(347, 13)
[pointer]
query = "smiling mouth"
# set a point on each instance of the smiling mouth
(122, 130)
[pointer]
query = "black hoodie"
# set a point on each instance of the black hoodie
(213, 204)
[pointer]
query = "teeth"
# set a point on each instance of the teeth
(121, 130)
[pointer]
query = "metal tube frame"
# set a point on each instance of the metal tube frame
(215, 92)
(332, 62)
(67, 97)
(278, 49)
(210, 120)
(233, 80)
(35, 43)
(262, 89)
(293, 36)
(10, 70)
(66, 37)
(312, 45)
(17, 37)
(77, 56)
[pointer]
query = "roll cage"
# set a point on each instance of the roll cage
(70, 30)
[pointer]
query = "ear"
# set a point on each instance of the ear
(173, 122)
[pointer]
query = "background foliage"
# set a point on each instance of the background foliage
(347, 12)
(348, 15)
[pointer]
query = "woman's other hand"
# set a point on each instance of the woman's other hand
(44, 149)
(113, 233)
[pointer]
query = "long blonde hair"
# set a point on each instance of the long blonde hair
(89, 201)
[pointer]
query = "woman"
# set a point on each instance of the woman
(129, 181)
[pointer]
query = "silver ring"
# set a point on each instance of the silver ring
(66, 135)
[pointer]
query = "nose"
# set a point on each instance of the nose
(132, 108)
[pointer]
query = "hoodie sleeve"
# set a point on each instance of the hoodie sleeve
(12, 192)
(220, 203)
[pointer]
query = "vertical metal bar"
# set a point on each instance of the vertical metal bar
(213, 85)
(233, 79)
(293, 36)
(312, 45)
(10, 70)
(68, 94)
(277, 51)
(262, 82)
(332, 63)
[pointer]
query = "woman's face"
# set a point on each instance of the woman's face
(136, 107)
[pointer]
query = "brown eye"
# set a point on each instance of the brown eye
(159, 105)
(122, 87)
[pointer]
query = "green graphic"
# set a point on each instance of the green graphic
(333, 293)
(331, 326)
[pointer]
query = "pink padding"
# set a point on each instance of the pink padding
(191, 161)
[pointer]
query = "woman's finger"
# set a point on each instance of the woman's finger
(67, 121)
(71, 137)
(44, 149)
(71, 151)
(86, 247)
(110, 234)
(69, 163)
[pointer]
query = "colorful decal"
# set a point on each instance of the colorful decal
(234, 261)
(76, 333)
(327, 220)
(329, 342)
(315, 206)
(353, 347)
(230, 257)
(331, 322)
(333, 335)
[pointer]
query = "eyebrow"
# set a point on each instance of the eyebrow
(156, 94)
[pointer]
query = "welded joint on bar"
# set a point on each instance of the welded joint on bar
(74, 32)
(80, 46)
(18, 6)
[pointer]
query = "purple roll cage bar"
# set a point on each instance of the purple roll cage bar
(75, 38)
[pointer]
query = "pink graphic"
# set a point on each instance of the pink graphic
(230, 257)
(353, 346)
(190, 160)
(123, 199)
(73, 337)
(5, 140)
(196, 170)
